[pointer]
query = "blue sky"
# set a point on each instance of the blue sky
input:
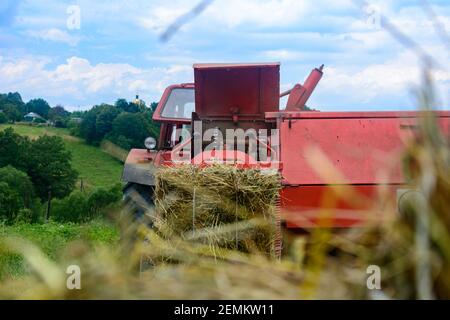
(116, 51)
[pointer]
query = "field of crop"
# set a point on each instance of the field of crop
(95, 167)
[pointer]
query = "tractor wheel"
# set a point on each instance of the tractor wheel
(139, 205)
(139, 209)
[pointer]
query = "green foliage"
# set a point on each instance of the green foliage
(60, 123)
(20, 183)
(13, 97)
(58, 112)
(129, 130)
(74, 127)
(51, 238)
(26, 215)
(132, 107)
(39, 106)
(82, 207)
(59, 116)
(10, 203)
(14, 149)
(12, 112)
(104, 121)
(12, 106)
(73, 208)
(97, 168)
(3, 118)
(50, 167)
(153, 106)
(102, 198)
(98, 122)
(19, 186)
(39, 120)
(127, 124)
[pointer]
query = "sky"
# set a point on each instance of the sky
(79, 53)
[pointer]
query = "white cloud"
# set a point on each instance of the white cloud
(161, 17)
(378, 82)
(79, 81)
(230, 13)
(55, 35)
(267, 13)
(283, 54)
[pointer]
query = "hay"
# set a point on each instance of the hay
(219, 205)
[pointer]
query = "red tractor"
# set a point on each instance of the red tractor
(320, 155)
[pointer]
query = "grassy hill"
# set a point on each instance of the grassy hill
(95, 167)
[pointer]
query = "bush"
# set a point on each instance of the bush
(129, 130)
(39, 120)
(25, 215)
(73, 208)
(14, 149)
(20, 182)
(60, 122)
(9, 203)
(74, 128)
(81, 207)
(101, 198)
(17, 185)
(3, 118)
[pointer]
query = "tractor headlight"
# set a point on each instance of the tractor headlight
(150, 143)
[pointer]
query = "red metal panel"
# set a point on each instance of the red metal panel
(312, 206)
(362, 150)
(235, 65)
(247, 91)
(350, 115)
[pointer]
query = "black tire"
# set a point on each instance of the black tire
(138, 202)
(138, 209)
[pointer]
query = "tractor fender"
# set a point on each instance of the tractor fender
(139, 167)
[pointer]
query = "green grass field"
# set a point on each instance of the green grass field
(51, 238)
(96, 168)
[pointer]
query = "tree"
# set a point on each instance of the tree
(10, 202)
(122, 104)
(39, 106)
(102, 198)
(50, 167)
(16, 105)
(20, 182)
(14, 97)
(3, 118)
(153, 106)
(58, 111)
(97, 122)
(87, 127)
(14, 149)
(12, 112)
(130, 127)
(73, 208)
(105, 120)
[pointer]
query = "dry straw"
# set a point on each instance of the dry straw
(218, 205)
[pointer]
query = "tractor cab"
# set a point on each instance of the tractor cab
(224, 96)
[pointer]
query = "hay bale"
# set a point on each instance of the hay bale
(219, 205)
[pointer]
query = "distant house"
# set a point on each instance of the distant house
(33, 117)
